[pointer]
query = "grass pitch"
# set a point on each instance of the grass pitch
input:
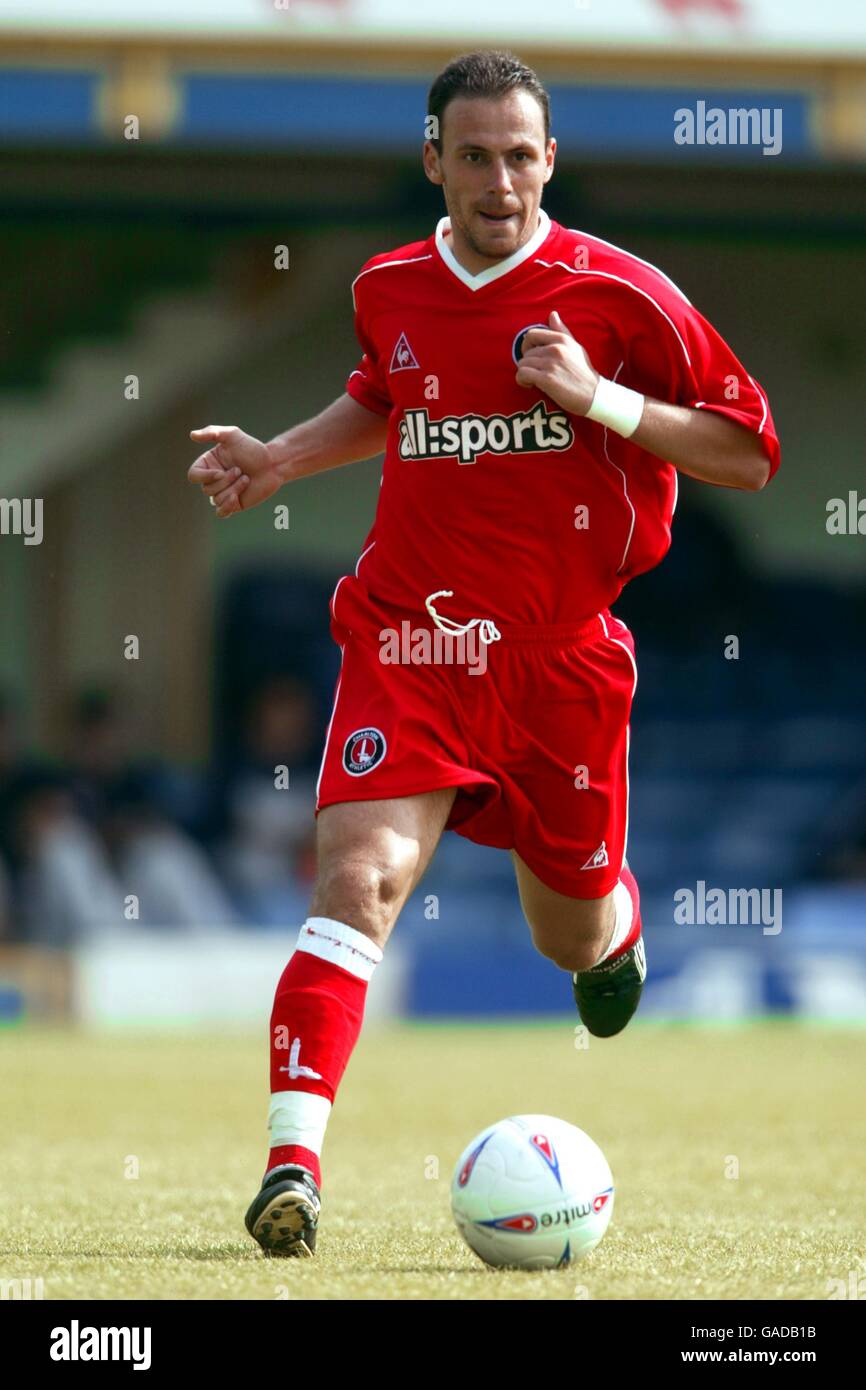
(676, 1109)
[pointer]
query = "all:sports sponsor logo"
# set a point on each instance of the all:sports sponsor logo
(466, 437)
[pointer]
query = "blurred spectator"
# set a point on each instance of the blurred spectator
(5, 903)
(96, 847)
(57, 881)
(64, 889)
(89, 849)
(7, 758)
(153, 859)
(170, 876)
(97, 746)
(266, 829)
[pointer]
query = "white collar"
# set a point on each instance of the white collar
(492, 272)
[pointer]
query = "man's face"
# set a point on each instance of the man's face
(493, 167)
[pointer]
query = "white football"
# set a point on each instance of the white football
(532, 1192)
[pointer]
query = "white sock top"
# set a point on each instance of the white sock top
(341, 944)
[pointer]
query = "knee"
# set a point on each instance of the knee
(365, 891)
(578, 953)
(575, 942)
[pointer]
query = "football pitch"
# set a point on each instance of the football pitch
(128, 1161)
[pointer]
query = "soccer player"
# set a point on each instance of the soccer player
(535, 390)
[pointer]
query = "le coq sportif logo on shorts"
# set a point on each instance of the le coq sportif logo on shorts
(466, 437)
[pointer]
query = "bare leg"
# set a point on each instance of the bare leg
(572, 932)
(372, 854)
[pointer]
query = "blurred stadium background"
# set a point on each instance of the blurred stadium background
(140, 299)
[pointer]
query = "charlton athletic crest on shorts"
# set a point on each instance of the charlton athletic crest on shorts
(363, 750)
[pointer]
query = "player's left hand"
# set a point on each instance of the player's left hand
(554, 362)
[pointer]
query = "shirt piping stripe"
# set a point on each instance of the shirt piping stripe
(410, 260)
(606, 275)
(764, 404)
(631, 255)
(624, 486)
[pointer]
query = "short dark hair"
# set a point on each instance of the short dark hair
(486, 73)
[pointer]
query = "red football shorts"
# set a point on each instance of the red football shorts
(536, 743)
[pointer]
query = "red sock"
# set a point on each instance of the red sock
(295, 1153)
(315, 1024)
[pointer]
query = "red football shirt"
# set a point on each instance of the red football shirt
(528, 513)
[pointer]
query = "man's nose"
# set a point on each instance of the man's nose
(501, 176)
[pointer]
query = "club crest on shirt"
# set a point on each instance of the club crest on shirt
(517, 345)
(363, 750)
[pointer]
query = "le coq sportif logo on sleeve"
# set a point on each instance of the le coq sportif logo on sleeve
(466, 437)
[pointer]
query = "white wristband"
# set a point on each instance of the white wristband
(617, 407)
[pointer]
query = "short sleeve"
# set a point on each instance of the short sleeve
(678, 356)
(367, 384)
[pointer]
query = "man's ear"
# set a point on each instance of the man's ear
(430, 160)
(551, 149)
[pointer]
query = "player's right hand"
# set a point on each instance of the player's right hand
(237, 470)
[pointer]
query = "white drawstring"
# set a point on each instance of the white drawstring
(487, 629)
